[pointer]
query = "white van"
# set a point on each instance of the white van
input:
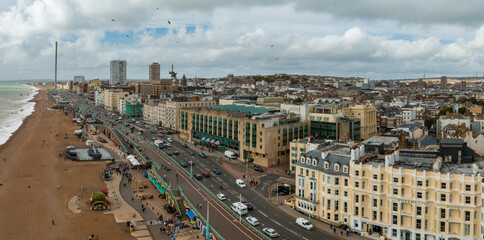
(239, 208)
(169, 140)
(304, 223)
(230, 154)
(240, 183)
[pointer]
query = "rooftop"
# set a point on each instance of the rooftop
(244, 109)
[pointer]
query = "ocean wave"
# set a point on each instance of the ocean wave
(9, 125)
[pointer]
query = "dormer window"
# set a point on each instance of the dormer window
(326, 165)
(345, 169)
(336, 167)
(315, 162)
(308, 161)
(302, 159)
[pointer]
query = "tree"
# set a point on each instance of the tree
(462, 99)
(445, 111)
(462, 110)
(429, 122)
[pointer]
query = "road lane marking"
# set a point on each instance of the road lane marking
(262, 213)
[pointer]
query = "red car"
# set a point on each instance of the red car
(206, 174)
(160, 135)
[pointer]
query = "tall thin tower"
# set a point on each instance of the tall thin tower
(55, 78)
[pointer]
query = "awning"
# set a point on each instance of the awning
(191, 214)
(133, 160)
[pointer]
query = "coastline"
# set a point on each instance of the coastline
(38, 183)
(24, 121)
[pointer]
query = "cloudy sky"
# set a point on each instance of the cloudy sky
(212, 38)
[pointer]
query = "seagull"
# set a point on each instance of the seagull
(127, 36)
(156, 8)
(272, 45)
(112, 19)
(169, 22)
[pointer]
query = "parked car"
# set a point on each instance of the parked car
(169, 140)
(270, 232)
(240, 183)
(258, 169)
(169, 153)
(202, 155)
(206, 174)
(185, 146)
(161, 135)
(251, 160)
(252, 220)
(217, 171)
(198, 176)
(169, 208)
(175, 153)
(102, 140)
(221, 196)
(184, 164)
(153, 131)
(304, 223)
(191, 152)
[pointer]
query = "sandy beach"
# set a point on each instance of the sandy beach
(38, 184)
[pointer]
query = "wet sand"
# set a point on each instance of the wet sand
(38, 184)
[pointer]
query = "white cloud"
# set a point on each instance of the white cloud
(241, 37)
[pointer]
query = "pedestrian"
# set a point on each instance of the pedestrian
(53, 223)
(334, 230)
(132, 199)
(331, 226)
(347, 231)
(200, 205)
(341, 232)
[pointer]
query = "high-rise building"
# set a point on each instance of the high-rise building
(118, 72)
(79, 79)
(154, 71)
(443, 82)
(463, 85)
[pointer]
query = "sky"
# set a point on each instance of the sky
(389, 39)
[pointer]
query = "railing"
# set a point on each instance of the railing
(169, 189)
(234, 214)
(198, 213)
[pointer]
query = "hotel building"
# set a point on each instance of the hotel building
(404, 194)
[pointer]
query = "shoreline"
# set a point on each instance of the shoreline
(38, 182)
(24, 121)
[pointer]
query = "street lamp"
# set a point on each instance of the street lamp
(191, 169)
(207, 231)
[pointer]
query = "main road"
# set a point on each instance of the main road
(220, 219)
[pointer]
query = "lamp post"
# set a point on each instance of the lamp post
(191, 169)
(207, 232)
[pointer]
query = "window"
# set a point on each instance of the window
(419, 211)
(419, 195)
(375, 177)
(336, 167)
(419, 183)
(357, 173)
(426, 183)
(357, 198)
(336, 192)
(329, 191)
(443, 185)
(418, 223)
(336, 181)
(395, 206)
(442, 226)
(345, 207)
(329, 180)
(375, 202)
(467, 229)
(442, 197)
(395, 219)
(442, 213)
(326, 165)
(357, 184)
(403, 180)
(374, 215)
(346, 194)
(346, 182)
(468, 216)
(345, 169)
(395, 180)
(375, 188)
(329, 204)
(468, 200)
(468, 188)
(356, 211)
(403, 191)
(395, 191)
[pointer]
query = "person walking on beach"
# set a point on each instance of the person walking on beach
(53, 223)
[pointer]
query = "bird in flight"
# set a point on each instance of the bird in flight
(169, 22)
(127, 36)
(272, 45)
(112, 19)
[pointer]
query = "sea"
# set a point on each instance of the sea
(14, 107)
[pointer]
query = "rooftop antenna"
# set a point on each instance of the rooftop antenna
(55, 76)
(424, 74)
